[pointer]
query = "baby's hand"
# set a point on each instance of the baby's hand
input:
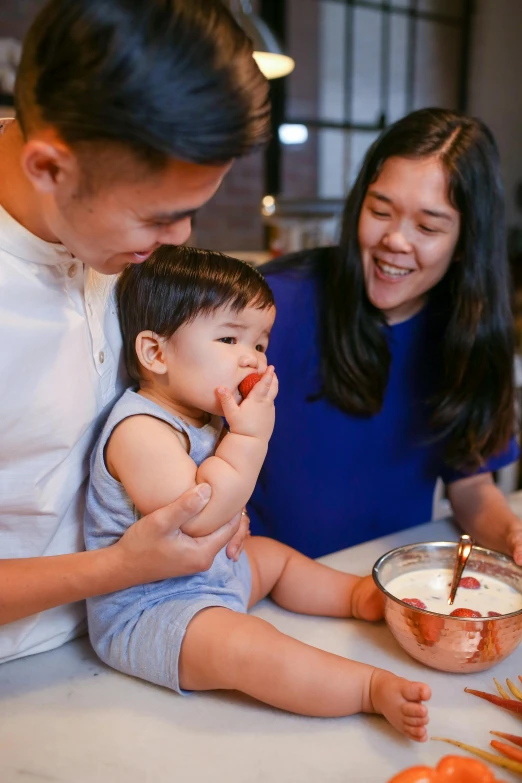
(255, 416)
(367, 600)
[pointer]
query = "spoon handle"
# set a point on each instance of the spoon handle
(463, 552)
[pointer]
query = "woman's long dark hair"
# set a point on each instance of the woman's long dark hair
(474, 404)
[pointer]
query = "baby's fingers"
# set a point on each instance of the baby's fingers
(263, 388)
(274, 388)
(228, 403)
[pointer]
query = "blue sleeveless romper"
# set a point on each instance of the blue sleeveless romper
(139, 631)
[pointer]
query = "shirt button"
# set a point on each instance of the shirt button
(101, 357)
(72, 270)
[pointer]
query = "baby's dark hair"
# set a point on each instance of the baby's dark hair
(175, 285)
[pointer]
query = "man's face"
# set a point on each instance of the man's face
(123, 221)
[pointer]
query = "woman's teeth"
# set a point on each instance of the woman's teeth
(392, 271)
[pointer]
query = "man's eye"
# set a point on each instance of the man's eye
(228, 340)
(158, 224)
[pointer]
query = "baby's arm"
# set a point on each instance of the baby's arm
(147, 456)
(232, 472)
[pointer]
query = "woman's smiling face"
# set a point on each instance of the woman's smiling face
(408, 233)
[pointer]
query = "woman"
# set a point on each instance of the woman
(395, 351)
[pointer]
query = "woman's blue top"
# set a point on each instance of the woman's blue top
(332, 480)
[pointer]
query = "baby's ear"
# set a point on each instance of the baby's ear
(150, 350)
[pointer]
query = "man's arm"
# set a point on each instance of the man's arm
(481, 510)
(152, 549)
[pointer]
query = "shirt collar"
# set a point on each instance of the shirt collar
(19, 242)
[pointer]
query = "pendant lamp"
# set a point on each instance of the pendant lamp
(268, 54)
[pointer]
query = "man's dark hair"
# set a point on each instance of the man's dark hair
(164, 78)
(175, 285)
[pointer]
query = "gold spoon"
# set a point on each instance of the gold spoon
(463, 553)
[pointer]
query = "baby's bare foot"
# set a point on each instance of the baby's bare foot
(400, 701)
(367, 600)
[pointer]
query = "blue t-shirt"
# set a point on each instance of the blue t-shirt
(332, 480)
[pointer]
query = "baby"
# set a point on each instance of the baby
(195, 324)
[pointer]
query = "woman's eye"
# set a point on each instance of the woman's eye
(228, 340)
(379, 214)
(428, 230)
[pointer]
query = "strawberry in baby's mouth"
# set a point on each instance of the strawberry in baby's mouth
(248, 383)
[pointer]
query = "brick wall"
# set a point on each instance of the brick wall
(299, 162)
(232, 220)
(16, 16)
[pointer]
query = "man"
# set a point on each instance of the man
(128, 117)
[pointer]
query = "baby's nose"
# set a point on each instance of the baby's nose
(250, 359)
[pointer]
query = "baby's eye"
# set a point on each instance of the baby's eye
(228, 340)
(260, 348)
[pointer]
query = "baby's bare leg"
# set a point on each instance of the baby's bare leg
(302, 585)
(223, 649)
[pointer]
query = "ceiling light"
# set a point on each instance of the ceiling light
(268, 54)
(290, 133)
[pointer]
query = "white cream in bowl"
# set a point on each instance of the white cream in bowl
(432, 586)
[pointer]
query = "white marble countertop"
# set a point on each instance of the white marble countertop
(66, 717)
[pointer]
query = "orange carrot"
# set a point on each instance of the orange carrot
(508, 704)
(499, 761)
(511, 737)
(507, 750)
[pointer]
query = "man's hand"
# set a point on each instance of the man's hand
(155, 548)
(237, 543)
(255, 416)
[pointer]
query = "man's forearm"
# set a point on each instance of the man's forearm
(32, 585)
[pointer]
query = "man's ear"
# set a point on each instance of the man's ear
(150, 352)
(49, 164)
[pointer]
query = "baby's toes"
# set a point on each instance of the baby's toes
(416, 691)
(415, 722)
(414, 709)
(417, 733)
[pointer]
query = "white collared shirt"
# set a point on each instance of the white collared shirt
(61, 371)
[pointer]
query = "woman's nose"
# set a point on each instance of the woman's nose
(397, 242)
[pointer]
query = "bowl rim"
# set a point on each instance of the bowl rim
(405, 547)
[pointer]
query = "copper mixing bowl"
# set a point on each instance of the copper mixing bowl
(451, 644)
